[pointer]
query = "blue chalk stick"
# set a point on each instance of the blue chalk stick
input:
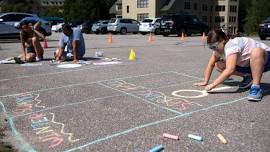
(157, 148)
(199, 138)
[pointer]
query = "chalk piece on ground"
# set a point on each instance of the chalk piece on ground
(84, 62)
(222, 139)
(157, 149)
(67, 66)
(195, 137)
(31, 64)
(106, 63)
(170, 136)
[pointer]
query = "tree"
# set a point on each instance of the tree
(258, 11)
(16, 6)
(242, 14)
(80, 10)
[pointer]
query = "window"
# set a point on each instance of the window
(220, 8)
(187, 5)
(204, 19)
(219, 19)
(8, 18)
(232, 19)
(142, 16)
(119, 7)
(142, 3)
(127, 8)
(195, 6)
(233, 8)
(204, 7)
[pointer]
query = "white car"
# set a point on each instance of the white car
(57, 27)
(123, 25)
(150, 25)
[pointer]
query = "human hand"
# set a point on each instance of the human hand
(200, 84)
(210, 87)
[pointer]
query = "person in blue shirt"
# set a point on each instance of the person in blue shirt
(72, 45)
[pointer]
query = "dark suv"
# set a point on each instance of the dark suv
(264, 29)
(178, 23)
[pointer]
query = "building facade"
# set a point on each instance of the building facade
(215, 13)
(51, 2)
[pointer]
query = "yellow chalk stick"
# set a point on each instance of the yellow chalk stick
(222, 139)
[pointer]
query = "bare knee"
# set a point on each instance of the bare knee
(257, 53)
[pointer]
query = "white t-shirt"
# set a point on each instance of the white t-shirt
(243, 47)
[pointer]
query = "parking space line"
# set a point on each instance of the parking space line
(125, 132)
(130, 94)
(61, 106)
(83, 83)
(70, 104)
(23, 144)
(61, 72)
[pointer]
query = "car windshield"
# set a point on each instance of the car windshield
(147, 21)
(112, 20)
(166, 18)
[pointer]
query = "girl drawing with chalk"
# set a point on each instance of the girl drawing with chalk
(239, 56)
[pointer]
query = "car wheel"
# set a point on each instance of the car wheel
(157, 31)
(182, 30)
(135, 32)
(143, 33)
(103, 31)
(97, 33)
(123, 31)
(262, 37)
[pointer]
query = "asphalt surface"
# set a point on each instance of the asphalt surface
(128, 106)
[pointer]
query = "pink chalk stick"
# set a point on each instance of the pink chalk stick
(170, 136)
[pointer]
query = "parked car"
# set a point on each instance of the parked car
(123, 25)
(87, 26)
(264, 29)
(178, 23)
(150, 25)
(57, 27)
(15, 18)
(100, 27)
(54, 20)
(9, 31)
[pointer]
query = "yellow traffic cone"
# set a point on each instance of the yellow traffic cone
(132, 55)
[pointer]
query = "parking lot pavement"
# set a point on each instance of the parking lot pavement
(128, 106)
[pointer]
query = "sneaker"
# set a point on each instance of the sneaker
(255, 94)
(246, 82)
(38, 59)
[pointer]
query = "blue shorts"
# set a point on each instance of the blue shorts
(248, 69)
(30, 50)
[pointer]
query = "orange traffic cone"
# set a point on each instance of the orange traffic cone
(150, 38)
(182, 36)
(110, 39)
(45, 45)
(203, 36)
